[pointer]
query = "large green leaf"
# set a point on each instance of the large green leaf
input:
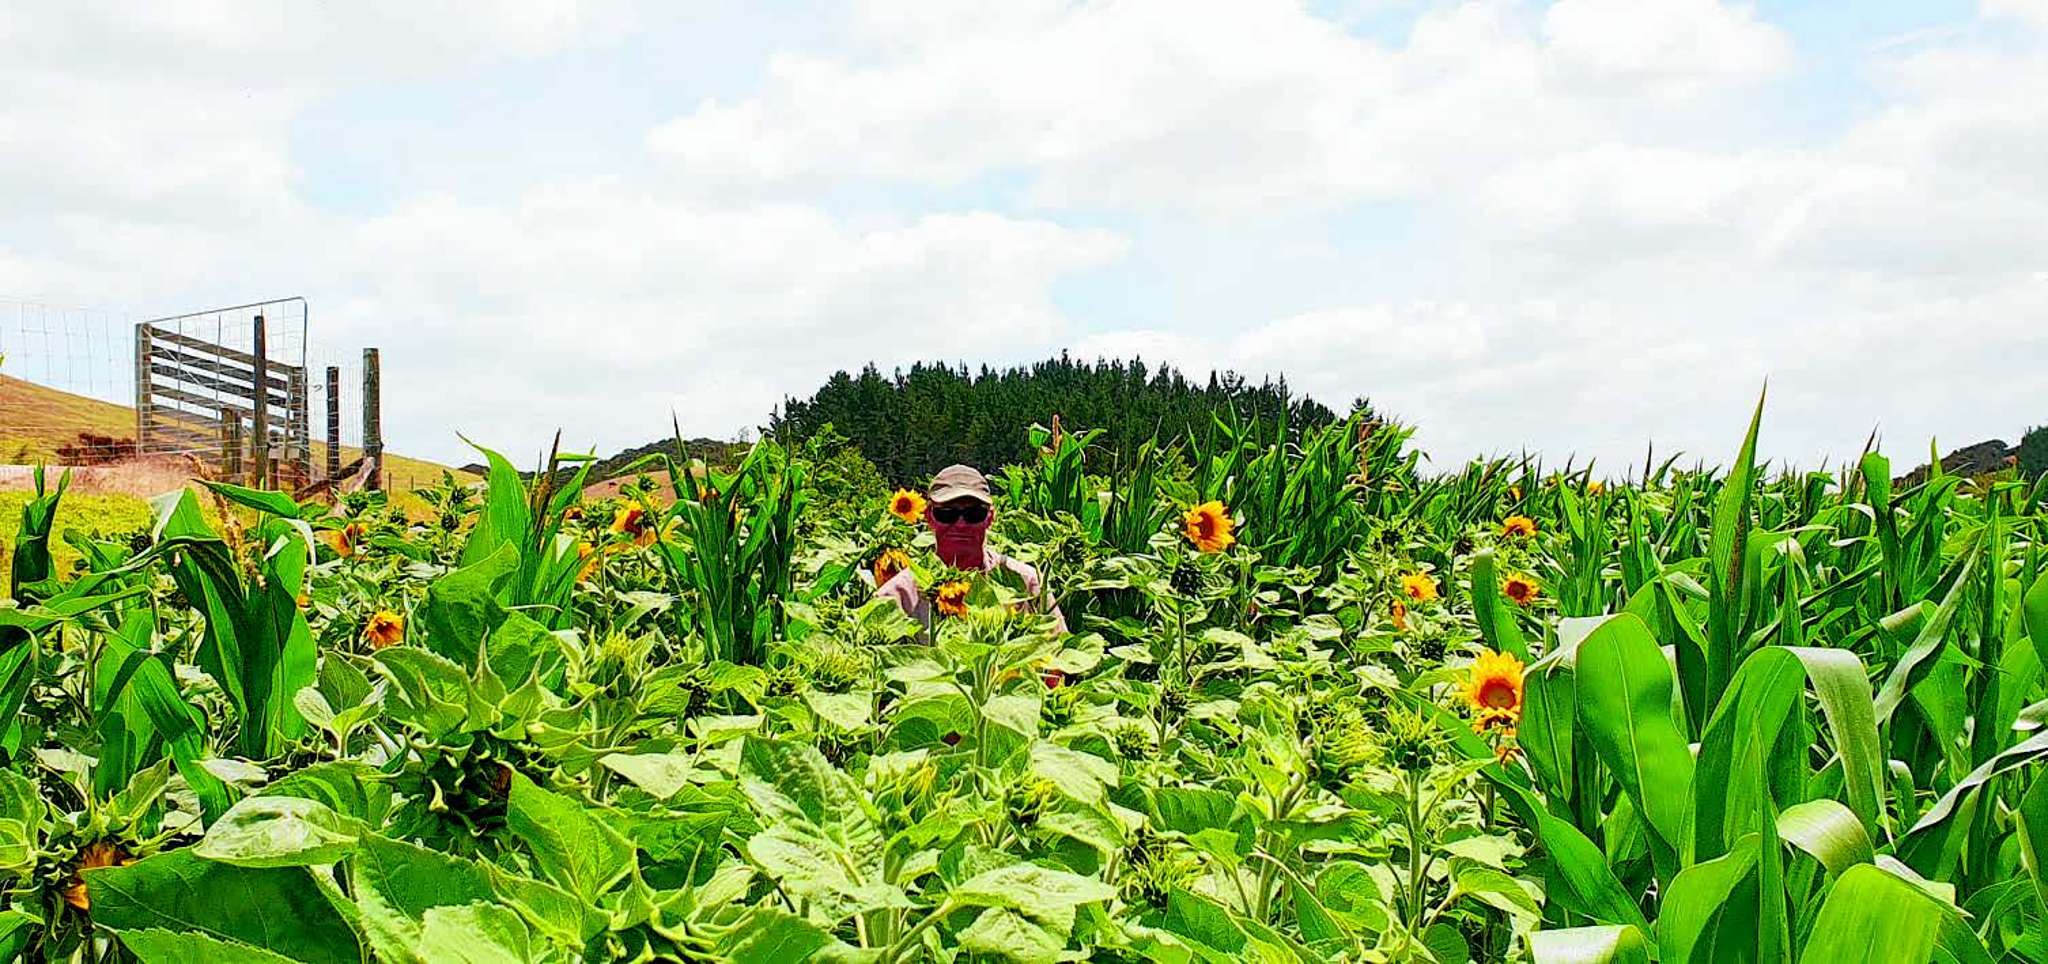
(22, 815)
(1609, 944)
(396, 883)
(837, 882)
(1693, 903)
(1548, 730)
(1040, 892)
(1838, 680)
(262, 500)
(1006, 934)
(474, 934)
(2034, 608)
(2030, 823)
(158, 946)
(1920, 658)
(278, 832)
(1875, 915)
(1496, 621)
(1923, 847)
(1625, 699)
(1727, 577)
(280, 910)
(1829, 832)
(769, 936)
(573, 845)
(462, 608)
(1737, 749)
(789, 781)
(1580, 879)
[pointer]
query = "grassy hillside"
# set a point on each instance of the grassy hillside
(98, 513)
(40, 419)
(51, 418)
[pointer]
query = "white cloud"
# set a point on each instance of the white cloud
(1231, 106)
(599, 296)
(1676, 48)
(1573, 226)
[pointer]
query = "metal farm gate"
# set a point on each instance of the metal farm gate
(228, 387)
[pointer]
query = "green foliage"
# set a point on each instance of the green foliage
(2032, 457)
(1762, 717)
(911, 424)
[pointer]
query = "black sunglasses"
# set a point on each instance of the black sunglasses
(970, 513)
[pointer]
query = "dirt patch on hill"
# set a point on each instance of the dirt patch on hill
(140, 477)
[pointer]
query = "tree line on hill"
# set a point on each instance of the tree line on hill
(912, 423)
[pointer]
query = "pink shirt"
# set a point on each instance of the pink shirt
(903, 588)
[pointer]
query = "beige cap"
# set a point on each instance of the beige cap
(959, 481)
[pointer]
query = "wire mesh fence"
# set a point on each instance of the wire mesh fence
(84, 386)
(67, 379)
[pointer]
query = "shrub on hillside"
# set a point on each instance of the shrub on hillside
(2033, 452)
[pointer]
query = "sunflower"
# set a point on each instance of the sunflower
(590, 558)
(1515, 492)
(349, 539)
(1518, 525)
(1595, 487)
(1400, 616)
(889, 563)
(385, 628)
(573, 513)
(1495, 690)
(1521, 589)
(1208, 527)
(99, 853)
(951, 598)
(1419, 587)
(631, 520)
(906, 505)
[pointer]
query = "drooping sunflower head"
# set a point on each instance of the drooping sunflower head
(1518, 525)
(1519, 588)
(951, 598)
(99, 853)
(889, 563)
(1418, 587)
(907, 505)
(1495, 690)
(1208, 527)
(1400, 616)
(384, 628)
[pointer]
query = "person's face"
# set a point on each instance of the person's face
(963, 518)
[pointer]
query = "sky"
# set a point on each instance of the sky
(1573, 228)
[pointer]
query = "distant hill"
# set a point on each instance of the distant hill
(1970, 461)
(715, 452)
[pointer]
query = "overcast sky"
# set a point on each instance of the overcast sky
(1570, 227)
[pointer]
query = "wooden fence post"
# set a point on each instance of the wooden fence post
(299, 431)
(260, 445)
(333, 421)
(373, 419)
(141, 389)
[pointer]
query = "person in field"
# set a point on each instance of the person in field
(959, 510)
